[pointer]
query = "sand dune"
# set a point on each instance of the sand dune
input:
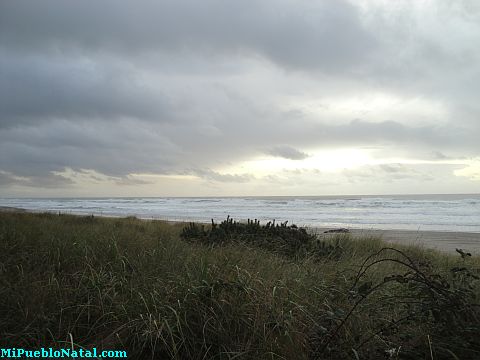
(441, 240)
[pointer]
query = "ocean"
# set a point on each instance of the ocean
(401, 212)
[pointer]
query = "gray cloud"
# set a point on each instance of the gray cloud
(113, 149)
(128, 146)
(323, 34)
(7, 179)
(287, 152)
(130, 180)
(211, 175)
(385, 173)
(42, 181)
(38, 88)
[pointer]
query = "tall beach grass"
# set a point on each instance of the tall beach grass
(159, 291)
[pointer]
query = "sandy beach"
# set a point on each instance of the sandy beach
(440, 240)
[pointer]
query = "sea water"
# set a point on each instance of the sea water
(407, 212)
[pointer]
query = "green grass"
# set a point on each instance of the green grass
(139, 286)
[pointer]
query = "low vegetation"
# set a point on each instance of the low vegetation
(230, 291)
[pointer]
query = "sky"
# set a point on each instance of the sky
(239, 98)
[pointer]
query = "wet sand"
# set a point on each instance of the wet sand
(11, 209)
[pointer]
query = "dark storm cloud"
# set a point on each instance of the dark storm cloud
(34, 88)
(115, 150)
(324, 34)
(163, 87)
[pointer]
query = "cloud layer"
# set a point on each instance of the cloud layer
(119, 90)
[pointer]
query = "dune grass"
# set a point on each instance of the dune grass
(159, 292)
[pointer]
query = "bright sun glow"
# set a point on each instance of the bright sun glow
(323, 160)
(471, 171)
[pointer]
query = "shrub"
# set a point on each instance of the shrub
(280, 238)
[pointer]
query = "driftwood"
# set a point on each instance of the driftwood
(340, 230)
